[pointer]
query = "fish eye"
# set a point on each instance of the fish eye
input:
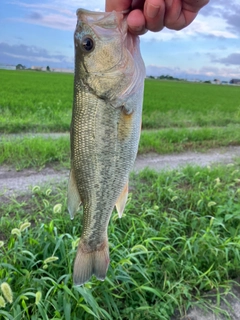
(88, 44)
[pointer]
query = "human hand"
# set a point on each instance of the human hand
(154, 15)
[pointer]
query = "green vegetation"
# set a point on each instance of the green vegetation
(180, 140)
(180, 233)
(183, 104)
(36, 151)
(180, 236)
(204, 116)
(42, 102)
(35, 101)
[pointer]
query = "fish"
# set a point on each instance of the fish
(105, 130)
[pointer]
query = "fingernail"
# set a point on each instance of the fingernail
(152, 11)
(138, 30)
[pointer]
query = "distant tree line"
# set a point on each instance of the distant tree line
(165, 77)
(22, 67)
(216, 81)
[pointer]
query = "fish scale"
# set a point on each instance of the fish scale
(105, 131)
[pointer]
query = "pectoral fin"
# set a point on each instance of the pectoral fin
(121, 201)
(73, 197)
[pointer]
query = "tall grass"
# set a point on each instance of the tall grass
(36, 151)
(183, 139)
(179, 237)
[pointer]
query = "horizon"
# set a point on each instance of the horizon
(41, 34)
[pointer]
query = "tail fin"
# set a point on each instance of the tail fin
(90, 263)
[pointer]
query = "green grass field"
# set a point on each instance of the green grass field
(183, 104)
(179, 236)
(204, 115)
(35, 101)
(40, 102)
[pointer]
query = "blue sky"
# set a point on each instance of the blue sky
(40, 33)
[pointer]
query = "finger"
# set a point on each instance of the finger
(173, 17)
(117, 5)
(193, 5)
(154, 11)
(180, 14)
(136, 22)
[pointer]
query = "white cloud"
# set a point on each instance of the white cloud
(202, 26)
(37, 58)
(216, 22)
(60, 14)
(67, 7)
(43, 7)
(14, 54)
(203, 73)
(57, 14)
(55, 21)
(211, 26)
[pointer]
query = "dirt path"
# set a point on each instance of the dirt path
(20, 182)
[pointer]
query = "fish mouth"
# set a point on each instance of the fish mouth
(105, 20)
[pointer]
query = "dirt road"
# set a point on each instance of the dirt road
(14, 182)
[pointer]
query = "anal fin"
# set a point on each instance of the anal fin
(121, 201)
(73, 197)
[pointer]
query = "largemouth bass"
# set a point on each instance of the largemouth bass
(105, 130)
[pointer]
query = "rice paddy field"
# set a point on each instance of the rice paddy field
(41, 102)
(177, 116)
(179, 238)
